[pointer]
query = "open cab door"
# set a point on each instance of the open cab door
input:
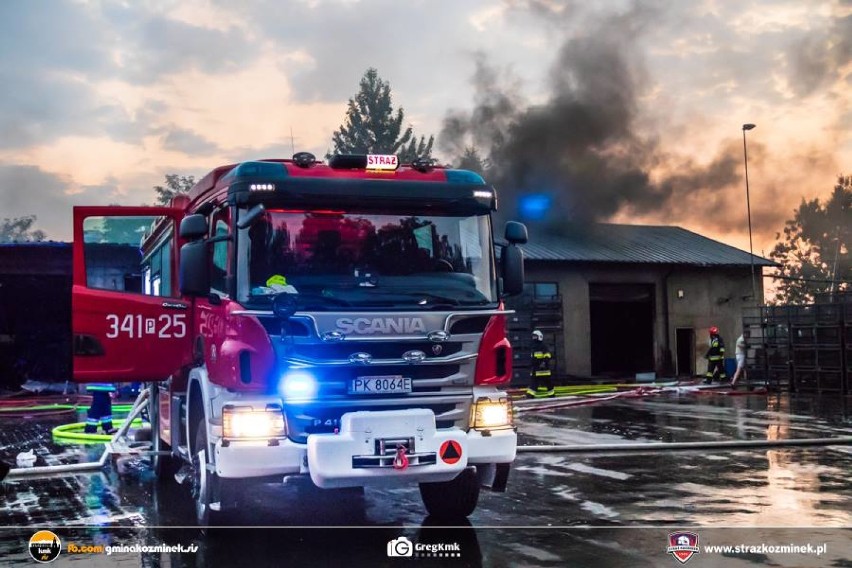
(128, 320)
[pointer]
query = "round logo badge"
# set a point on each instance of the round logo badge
(45, 546)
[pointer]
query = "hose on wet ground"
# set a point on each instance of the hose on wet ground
(24, 398)
(138, 406)
(686, 446)
(585, 399)
(542, 405)
(74, 432)
(52, 410)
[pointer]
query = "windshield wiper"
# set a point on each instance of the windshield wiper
(438, 301)
(431, 300)
(310, 300)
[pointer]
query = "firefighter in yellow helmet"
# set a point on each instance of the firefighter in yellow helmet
(715, 358)
(541, 377)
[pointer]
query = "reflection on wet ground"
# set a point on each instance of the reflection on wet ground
(532, 524)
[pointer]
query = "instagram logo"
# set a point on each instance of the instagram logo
(400, 547)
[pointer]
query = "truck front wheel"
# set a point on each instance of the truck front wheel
(214, 498)
(452, 499)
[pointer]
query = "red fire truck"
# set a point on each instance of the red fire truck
(337, 320)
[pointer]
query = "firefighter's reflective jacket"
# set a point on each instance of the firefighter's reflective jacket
(541, 359)
(717, 349)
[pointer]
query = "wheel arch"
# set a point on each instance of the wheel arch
(198, 405)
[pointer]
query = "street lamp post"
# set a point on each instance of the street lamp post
(748, 208)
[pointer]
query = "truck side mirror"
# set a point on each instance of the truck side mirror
(193, 227)
(194, 272)
(252, 215)
(512, 263)
(516, 233)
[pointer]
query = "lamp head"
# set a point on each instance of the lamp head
(748, 126)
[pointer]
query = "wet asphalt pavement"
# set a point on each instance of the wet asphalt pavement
(560, 509)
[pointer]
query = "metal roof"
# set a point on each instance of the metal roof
(643, 244)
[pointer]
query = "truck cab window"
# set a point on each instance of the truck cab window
(157, 266)
(219, 268)
(112, 255)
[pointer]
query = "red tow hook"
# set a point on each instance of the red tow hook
(400, 462)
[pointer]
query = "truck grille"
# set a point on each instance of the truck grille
(443, 387)
(377, 349)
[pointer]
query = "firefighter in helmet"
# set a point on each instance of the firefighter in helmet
(715, 358)
(541, 378)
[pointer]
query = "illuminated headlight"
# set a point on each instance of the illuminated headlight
(298, 385)
(482, 194)
(246, 422)
(488, 414)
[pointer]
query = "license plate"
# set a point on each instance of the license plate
(390, 384)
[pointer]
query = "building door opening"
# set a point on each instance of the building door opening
(685, 345)
(622, 328)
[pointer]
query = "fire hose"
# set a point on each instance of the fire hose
(686, 446)
(138, 406)
(74, 432)
(45, 410)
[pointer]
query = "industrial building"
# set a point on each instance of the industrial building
(621, 300)
(35, 313)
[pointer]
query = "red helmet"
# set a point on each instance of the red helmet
(714, 330)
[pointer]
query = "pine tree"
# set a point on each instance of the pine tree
(372, 126)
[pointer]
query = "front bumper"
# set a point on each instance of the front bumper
(353, 456)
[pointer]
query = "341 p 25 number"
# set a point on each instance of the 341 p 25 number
(137, 326)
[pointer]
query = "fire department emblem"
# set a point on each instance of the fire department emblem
(437, 349)
(682, 545)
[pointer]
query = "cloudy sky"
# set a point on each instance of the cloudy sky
(618, 110)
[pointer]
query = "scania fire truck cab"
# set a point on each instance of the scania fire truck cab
(337, 320)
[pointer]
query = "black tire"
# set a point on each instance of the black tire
(454, 499)
(213, 489)
(163, 466)
(202, 485)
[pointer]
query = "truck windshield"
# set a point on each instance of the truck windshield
(337, 260)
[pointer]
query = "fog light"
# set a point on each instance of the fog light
(245, 422)
(488, 414)
(298, 385)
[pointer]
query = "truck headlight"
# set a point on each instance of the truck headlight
(246, 422)
(487, 414)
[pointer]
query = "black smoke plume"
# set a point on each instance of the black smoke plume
(581, 155)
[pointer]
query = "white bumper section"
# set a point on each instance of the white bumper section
(353, 457)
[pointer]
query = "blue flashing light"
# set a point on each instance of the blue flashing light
(265, 170)
(534, 205)
(298, 385)
(464, 176)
